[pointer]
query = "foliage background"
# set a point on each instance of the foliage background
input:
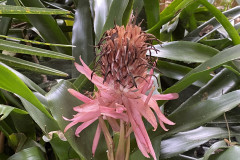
(199, 59)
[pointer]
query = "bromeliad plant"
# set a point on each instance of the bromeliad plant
(112, 108)
(121, 97)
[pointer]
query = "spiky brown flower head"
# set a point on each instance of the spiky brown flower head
(123, 59)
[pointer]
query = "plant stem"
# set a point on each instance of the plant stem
(127, 143)
(108, 138)
(223, 20)
(120, 153)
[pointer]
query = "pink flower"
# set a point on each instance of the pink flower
(120, 98)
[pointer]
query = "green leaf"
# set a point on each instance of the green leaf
(24, 124)
(48, 27)
(232, 32)
(193, 115)
(230, 154)
(205, 68)
(169, 13)
(28, 154)
(184, 51)
(8, 9)
(101, 9)
(27, 81)
(61, 104)
(184, 141)
(10, 82)
(36, 42)
(213, 148)
(82, 36)
(20, 141)
(137, 6)
(115, 14)
(46, 123)
(19, 63)
(5, 110)
(127, 13)
(152, 11)
(20, 48)
(59, 146)
(16, 141)
(219, 44)
(215, 87)
(176, 71)
(196, 106)
(195, 36)
(10, 98)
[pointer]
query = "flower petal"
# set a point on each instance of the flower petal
(70, 125)
(80, 96)
(95, 79)
(84, 69)
(83, 116)
(145, 111)
(153, 104)
(120, 108)
(83, 126)
(96, 139)
(165, 96)
(92, 107)
(110, 112)
(139, 129)
(162, 125)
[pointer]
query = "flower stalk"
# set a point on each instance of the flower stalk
(120, 153)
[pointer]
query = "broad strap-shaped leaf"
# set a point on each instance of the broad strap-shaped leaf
(82, 34)
(218, 145)
(43, 22)
(5, 110)
(23, 64)
(205, 68)
(232, 153)
(20, 48)
(177, 71)
(152, 11)
(46, 123)
(127, 13)
(12, 83)
(190, 52)
(194, 115)
(220, 84)
(191, 116)
(35, 42)
(28, 154)
(27, 81)
(8, 9)
(184, 141)
(101, 9)
(115, 14)
(59, 146)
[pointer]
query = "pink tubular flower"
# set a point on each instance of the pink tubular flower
(122, 88)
